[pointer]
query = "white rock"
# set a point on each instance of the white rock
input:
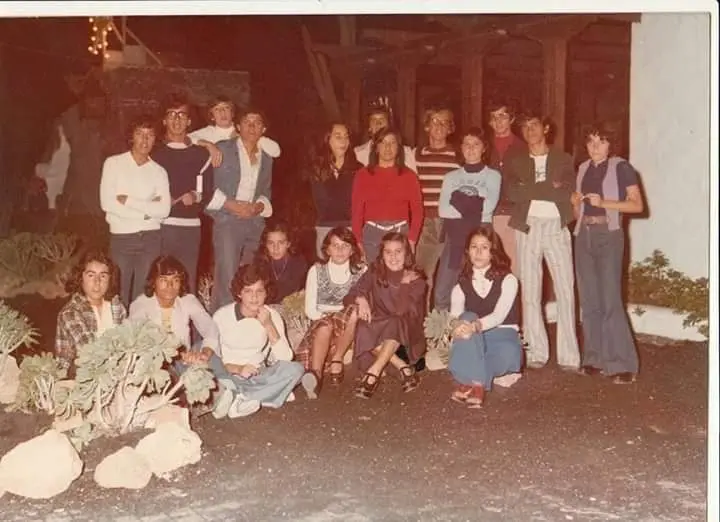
(24, 470)
(433, 362)
(125, 468)
(168, 413)
(170, 447)
(9, 380)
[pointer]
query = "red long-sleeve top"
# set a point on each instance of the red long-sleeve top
(386, 195)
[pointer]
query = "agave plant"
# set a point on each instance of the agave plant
(204, 293)
(38, 388)
(15, 331)
(292, 309)
(438, 332)
(119, 367)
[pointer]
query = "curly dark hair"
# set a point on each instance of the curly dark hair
(399, 161)
(479, 133)
(320, 158)
(175, 100)
(271, 226)
(604, 130)
(74, 282)
(546, 121)
(499, 260)
(242, 112)
(166, 266)
(379, 267)
(345, 235)
(143, 121)
(250, 274)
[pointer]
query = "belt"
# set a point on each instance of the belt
(595, 220)
(387, 228)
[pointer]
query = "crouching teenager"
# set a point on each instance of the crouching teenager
(93, 308)
(486, 343)
(168, 304)
(391, 301)
(253, 345)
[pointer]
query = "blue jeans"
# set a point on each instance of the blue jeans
(183, 243)
(485, 355)
(272, 385)
(133, 254)
(608, 340)
(235, 242)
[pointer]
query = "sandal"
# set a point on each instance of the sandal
(366, 388)
(336, 378)
(461, 393)
(410, 380)
(476, 397)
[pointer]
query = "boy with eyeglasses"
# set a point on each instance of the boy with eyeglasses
(190, 175)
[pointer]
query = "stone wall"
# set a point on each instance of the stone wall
(138, 90)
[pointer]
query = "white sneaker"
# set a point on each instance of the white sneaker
(223, 403)
(242, 407)
(310, 383)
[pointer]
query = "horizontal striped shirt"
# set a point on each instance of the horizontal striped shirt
(432, 166)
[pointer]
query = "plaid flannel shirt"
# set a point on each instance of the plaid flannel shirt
(77, 326)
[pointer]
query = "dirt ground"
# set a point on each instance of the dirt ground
(554, 447)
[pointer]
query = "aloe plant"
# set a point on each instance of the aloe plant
(118, 368)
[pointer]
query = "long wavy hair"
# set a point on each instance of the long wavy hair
(379, 267)
(262, 255)
(166, 266)
(345, 235)
(320, 161)
(499, 260)
(399, 160)
(74, 282)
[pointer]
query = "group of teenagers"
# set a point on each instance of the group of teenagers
(463, 229)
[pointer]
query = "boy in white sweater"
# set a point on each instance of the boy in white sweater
(253, 345)
(135, 196)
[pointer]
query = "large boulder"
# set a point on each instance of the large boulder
(169, 447)
(9, 379)
(125, 468)
(24, 470)
(168, 413)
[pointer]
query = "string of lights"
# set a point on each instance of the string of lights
(100, 27)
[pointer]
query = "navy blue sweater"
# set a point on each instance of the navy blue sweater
(183, 167)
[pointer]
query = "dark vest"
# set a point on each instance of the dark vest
(484, 306)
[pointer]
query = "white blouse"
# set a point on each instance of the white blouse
(508, 293)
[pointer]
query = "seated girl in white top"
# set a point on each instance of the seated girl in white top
(333, 324)
(485, 341)
(253, 345)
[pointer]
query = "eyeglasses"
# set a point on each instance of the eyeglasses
(440, 123)
(500, 117)
(180, 115)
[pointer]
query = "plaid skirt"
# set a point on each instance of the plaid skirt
(337, 322)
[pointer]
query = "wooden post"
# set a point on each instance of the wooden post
(555, 84)
(351, 93)
(407, 99)
(472, 90)
(554, 37)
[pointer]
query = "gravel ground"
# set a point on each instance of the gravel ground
(555, 446)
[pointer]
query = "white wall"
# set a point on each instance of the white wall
(670, 137)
